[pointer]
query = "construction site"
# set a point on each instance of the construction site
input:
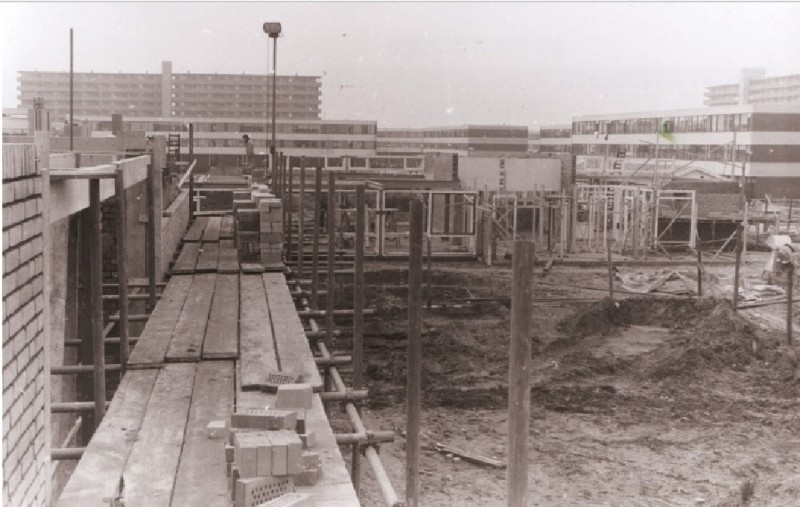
(213, 295)
(182, 322)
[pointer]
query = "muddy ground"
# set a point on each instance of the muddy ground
(639, 402)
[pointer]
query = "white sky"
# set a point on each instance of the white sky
(427, 64)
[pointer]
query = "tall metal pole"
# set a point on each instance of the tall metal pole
(122, 266)
(414, 356)
(358, 319)
(330, 284)
(270, 159)
(71, 93)
(519, 373)
(315, 237)
(301, 235)
(274, 90)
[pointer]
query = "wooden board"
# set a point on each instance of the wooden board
(207, 261)
(187, 260)
(226, 227)
(228, 261)
(187, 338)
(222, 332)
(255, 333)
(153, 462)
(97, 476)
(252, 267)
(153, 342)
(211, 233)
(195, 232)
(201, 473)
(294, 352)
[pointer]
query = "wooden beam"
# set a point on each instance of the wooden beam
(414, 358)
(96, 298)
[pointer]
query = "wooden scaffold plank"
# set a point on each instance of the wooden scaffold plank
(187, 260)
(187, 338)
(96, 478)
(222, 331)
(195, 232)
(256, 340)
(153, 343)
(226, 227)
(228, 261)
(201, 473)
(211, 233)
(294, 352)
(149, 474)
(209, 255)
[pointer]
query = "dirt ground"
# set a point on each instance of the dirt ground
(638, 402)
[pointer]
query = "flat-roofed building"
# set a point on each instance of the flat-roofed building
(708, 143)
(171, 94)
(555, 138)
(464, 140)
(755, 87)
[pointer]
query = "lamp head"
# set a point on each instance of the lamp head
(272, 29)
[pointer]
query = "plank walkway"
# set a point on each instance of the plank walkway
(209, 341)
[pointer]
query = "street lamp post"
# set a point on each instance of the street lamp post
(273, 31)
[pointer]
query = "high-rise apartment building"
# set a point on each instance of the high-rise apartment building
(169, 94)
(755, 88)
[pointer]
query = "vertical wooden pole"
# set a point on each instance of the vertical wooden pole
(610, 270)
(790, 301)
(358, 317)
(158, 162)
(739, 229)
(315, 238)
(96, 298)
(301, 235)
(519, 373)
(122, 267)
(428, 275)
(290, 249)
(414, 366)
(191, 197)
(699, 270)
(82, 308)
(330, 285)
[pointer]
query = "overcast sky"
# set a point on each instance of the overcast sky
(427, 64)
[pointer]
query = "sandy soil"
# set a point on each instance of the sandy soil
(650, 401)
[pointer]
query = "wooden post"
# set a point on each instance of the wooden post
(122, 267)
(358, 318)
(96, 298)
(610, 271)
(330, 283)
(414, 367)
(301, 235)
(519, 373)
(191, 197)
(699, 270)
(81, 308)
(158, 161)
(428, 275)
(315, 238)
(739, 229)
(290, 202)
(789, 222)
(789, 299)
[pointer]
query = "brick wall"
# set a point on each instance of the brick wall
(24, 434)
(173, 227)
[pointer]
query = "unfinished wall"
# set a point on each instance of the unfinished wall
(510, 174)
(173, 227)
(24, 376)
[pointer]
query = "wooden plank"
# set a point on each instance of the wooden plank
(97, 476)
(153, 342)
(195, 232)
(228, 261)
(255, 333)
(201, 473)
(294, 353)
(149, 474)
(187, 260)
(187, 338)
(226, 227)
(211, 234)
(222, 332)
(209, 256)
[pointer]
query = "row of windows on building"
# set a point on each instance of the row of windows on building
(694, 123)
(555, 133)
(283, 143)
(665, 151)
(456, 133)
(353, 163)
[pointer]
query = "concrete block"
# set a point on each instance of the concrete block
(246, 453)
(251, 418)
(296, 396)
(264, 464)
(279, 452)
(291, 500)
(229, 453)
(274, 379)
(294, 452)
(253, 492)
(309, 439)
(309, 459)
(308, 476)
(216, 429)
(282, 419)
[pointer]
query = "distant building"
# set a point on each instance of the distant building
(755, 88)
(465, 140)
(171, 94)
(555, 138)
(708, 143)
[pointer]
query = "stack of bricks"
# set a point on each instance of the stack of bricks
(271, 230)
(266, 457)
(24, 376)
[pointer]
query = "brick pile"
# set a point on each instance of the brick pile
(24, 451)
(259, 211)
(268, 452)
